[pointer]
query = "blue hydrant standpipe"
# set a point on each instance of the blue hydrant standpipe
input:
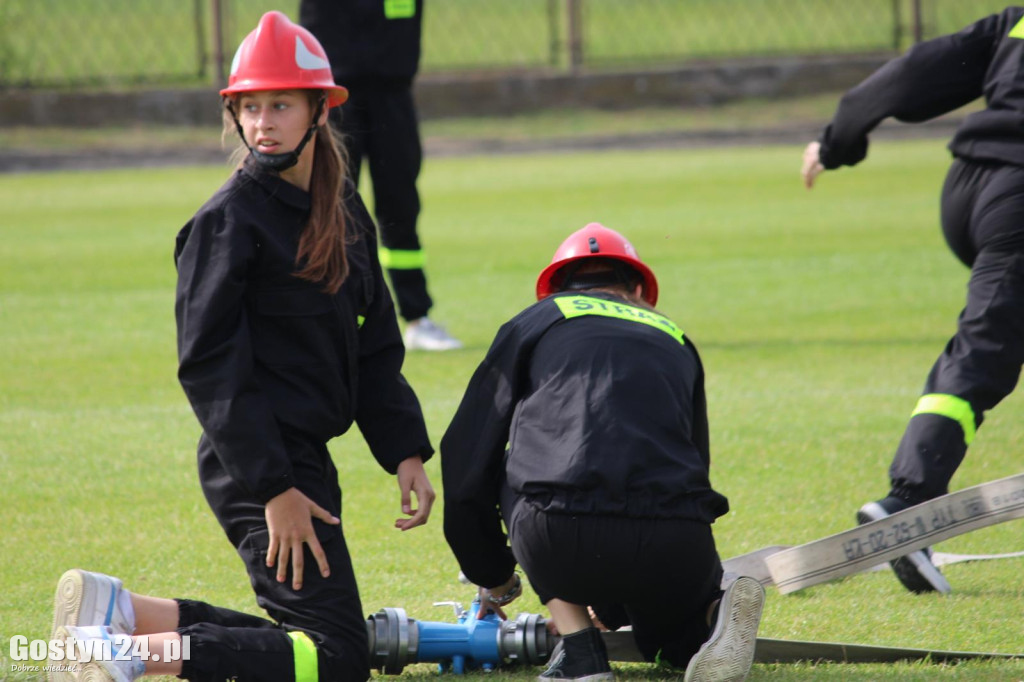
(397, 640)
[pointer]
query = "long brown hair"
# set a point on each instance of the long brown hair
(323, 242)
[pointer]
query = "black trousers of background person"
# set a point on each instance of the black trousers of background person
(983, 223)
(659, 575)
(380, 125)
(227, 644)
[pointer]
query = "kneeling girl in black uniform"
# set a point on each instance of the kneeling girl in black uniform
(286, 336)
(586, 425)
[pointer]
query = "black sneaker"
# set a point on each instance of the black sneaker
(915, 570)
(579, 657)
(729, 651)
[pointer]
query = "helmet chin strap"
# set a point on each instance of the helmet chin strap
(279, 162)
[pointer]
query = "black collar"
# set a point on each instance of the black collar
(275, 185)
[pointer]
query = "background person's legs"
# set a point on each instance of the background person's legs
(983, 220)
(394, 153)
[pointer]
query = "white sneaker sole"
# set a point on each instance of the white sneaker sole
(729, 653)
(67, 603)
(94, 672)
(82, 598)
(597, 677)
(88, 671)
(54, 674)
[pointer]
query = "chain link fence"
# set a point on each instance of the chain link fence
(157, 43)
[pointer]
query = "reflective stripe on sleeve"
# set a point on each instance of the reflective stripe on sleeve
(951, 407)
(578, 306)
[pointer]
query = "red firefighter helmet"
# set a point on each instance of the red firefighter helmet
(280, 55)
(596, 241)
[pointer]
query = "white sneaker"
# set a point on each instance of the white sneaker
(425, 334)
(93, 656)
(729, 651)
(86, 598)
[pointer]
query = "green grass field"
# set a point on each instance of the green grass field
(817, 314)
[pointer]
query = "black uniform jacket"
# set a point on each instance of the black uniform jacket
(261, 350)
(936, 77)
(364, 46)
(582, 405)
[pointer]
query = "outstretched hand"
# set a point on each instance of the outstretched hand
(289, 523)
(412, 480)
(812, 167)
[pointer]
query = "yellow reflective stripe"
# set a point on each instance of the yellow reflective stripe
(304, 652)
(1018, 30)
(360, 319)
(399, 9)
(951, 407)
(577, 306)
(396, 259)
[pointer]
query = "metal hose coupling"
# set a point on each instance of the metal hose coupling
(397, 640)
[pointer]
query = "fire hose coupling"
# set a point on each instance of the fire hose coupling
(397, 640)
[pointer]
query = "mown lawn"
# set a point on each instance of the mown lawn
(817, 314)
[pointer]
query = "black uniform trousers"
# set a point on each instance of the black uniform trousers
(658, 575)
(983, 223)
(379, 123)
(227, 644)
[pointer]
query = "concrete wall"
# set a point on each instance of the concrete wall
(441, 96)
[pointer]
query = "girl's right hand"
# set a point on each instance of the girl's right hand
(811, 167)
(288, 520)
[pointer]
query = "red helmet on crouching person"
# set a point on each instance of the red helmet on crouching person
(592, 242)
(281, 55)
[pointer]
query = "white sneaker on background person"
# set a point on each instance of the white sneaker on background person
(425, 334)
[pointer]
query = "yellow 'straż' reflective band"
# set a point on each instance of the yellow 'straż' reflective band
(950, 406)
(577, 306)
(1017, 31)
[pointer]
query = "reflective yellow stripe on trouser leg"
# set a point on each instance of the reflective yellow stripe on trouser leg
(400, 259)
(399, 9)
(304, 651)
(951, 407)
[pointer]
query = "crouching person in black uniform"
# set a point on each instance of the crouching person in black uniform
(586, 426)
(286, 336)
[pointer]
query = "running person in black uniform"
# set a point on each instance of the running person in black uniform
(374, 49)
(286, 336)
(586, 424)
(983, 223)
